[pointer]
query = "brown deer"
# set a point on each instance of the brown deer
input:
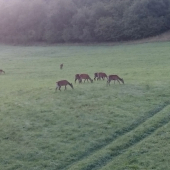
(1, 71)
(95, 76)
(101, 75)
(61, 66)
(98, 76)
(114, 77)
(63, 83)
(77, 77)
(85, 77)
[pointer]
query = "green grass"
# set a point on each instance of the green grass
(93, 126)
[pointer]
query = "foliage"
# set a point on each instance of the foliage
(82, 20)
(147, 18)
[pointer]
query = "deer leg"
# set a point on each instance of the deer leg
(59, 88)
(65, 88)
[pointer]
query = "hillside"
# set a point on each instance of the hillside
(158, 38)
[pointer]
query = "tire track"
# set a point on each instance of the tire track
(116, 134)
(122, 148)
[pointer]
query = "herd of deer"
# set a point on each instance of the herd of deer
(80, 77)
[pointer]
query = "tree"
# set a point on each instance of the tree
(146, 18)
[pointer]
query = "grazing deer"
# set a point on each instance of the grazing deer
(61, 66)
(114, 77)
(77, 77)
(1, 71)
(101, 75)
(63, 83)
(85, 77)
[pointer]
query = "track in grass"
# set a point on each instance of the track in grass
(117, 134)
(131, 138)
(118, 151)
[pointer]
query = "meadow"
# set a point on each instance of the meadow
(93, 126)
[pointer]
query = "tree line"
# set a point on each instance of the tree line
(58, 21)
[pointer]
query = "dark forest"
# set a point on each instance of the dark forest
(59, 21)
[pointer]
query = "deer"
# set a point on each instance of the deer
(101, 75)
(98, 76)
(61, 66)
(77, 77)
(63, 83)
(114, 77)
(1, 71)
(85, 77)
(95, 76)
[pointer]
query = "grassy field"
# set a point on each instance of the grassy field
(93, 126)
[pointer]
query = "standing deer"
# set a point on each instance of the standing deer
(77, 77)
(101, 75)
(1, 71)
(114, 77)
(63, 83)
(61, 66)
(95, 76)
(85, 77)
